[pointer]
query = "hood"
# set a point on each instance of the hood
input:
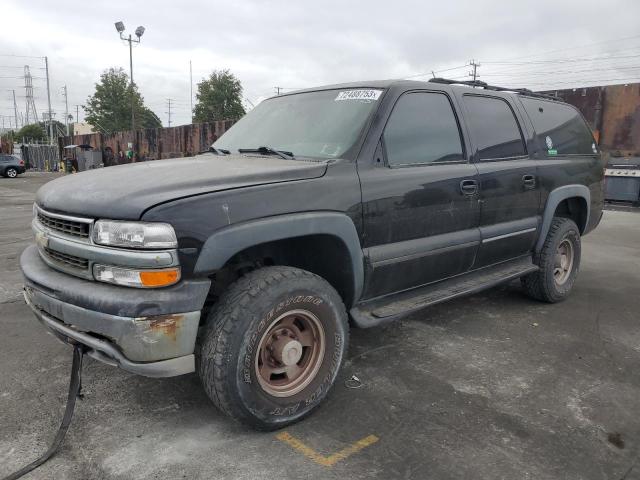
(126, 191)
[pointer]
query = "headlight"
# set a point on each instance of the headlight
(136, 278)
(134, 234)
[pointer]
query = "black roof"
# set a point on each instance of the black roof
(385, 84)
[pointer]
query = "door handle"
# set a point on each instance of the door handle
(469, 187)
(529, 181)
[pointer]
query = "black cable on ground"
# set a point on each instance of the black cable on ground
(75, 385)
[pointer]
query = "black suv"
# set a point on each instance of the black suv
(344, 205)
(11, 166)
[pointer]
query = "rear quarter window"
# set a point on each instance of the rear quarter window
(561, 130)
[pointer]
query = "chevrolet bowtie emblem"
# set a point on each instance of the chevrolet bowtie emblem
(42, 239)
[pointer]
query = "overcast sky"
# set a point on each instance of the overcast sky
(298, 44)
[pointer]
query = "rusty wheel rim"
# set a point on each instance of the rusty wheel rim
(563, 262)
(290, 353)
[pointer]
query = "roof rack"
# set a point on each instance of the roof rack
(480, 84)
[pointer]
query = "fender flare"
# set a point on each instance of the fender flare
(225, 243)
(555, 197)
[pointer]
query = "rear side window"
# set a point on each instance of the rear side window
(422, 129)
(494, 128)
(560, 128)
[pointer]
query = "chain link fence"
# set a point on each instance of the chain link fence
(43, 158)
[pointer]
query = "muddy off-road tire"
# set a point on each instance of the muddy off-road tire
(272, 346)
(559, 262)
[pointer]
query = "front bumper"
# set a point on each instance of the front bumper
(148, 332)
(106, 351)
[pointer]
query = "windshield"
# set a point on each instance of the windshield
(322, 124)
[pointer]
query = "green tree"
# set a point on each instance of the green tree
(109, 108)
(219, 98)
(32, 132)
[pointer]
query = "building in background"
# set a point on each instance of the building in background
(80, 128)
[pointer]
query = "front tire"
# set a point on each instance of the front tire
(559, 262)
(272, 346)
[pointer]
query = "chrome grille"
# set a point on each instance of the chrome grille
(68, 227)
(67, 260)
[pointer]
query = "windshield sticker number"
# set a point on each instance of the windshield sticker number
(358, 95)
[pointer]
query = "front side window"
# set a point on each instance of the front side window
(494, 128)
(560, 128)
(422, 129)
(323, 124)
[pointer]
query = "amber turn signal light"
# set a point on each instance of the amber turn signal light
(159, 278)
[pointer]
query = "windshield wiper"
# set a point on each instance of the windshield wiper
(218, 151)
(268, 151)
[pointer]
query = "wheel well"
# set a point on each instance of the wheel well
(324, 255)
(574, 208)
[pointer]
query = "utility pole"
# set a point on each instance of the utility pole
(15, 108)
(474, 72)
(77, 113)
(169, 112)
(66, 109)
(278, 90)
(46, 67)
(191, 88)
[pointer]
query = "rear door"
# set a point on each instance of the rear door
(508, 178)
(419, 194)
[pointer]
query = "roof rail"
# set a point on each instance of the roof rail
(478, 83)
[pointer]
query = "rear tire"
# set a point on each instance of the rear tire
(11, 172)
(272, 346)
(559, 262)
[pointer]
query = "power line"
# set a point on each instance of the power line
(20, 67)
(565, 60)
(19, 56)
(436, 71)
(575, 47)
(583, 80)
(556, 72)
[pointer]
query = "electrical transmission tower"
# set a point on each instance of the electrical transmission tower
(30, 105)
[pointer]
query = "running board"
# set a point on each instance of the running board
(395, 306)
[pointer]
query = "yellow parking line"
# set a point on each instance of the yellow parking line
(331, 460)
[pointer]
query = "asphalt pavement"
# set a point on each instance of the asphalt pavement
(492, 386)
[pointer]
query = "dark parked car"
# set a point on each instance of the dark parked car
(11, 166)
(347, 205)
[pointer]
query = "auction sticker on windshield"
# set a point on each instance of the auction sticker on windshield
(358, 95)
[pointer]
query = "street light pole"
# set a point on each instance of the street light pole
(133, 111)
(139, 32)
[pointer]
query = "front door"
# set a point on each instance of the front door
(420, 200)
